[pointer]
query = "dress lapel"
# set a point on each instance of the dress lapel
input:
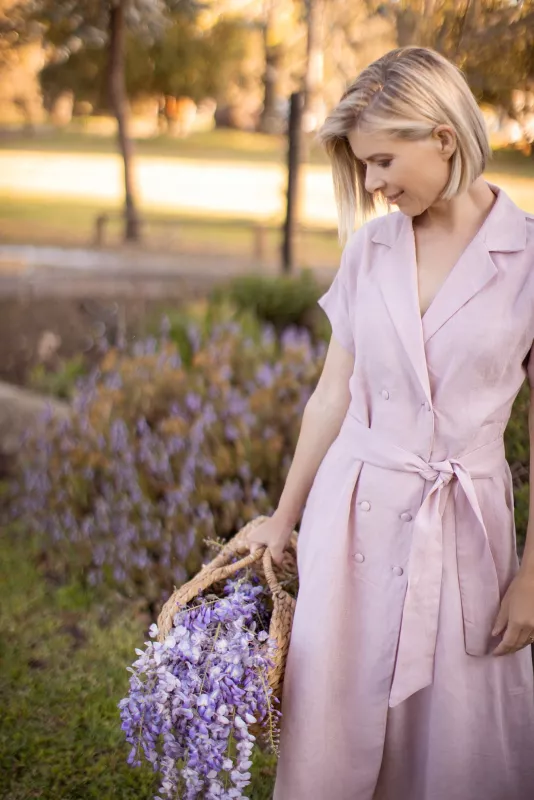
(396, 275)
(459, 286)
(504, 230)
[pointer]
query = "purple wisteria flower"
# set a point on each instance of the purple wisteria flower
(162, 454)
(194, 697)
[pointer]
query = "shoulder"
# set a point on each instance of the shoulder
(382, 230)
(358, 250)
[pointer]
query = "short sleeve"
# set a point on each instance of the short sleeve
(335, 303)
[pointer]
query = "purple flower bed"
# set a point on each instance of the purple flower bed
(160, 456)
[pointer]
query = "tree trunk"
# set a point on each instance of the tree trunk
(119, 104)
(312, 111)
(270, 121)
(314, 76)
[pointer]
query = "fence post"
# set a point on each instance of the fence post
(100, 225)
(293, 161)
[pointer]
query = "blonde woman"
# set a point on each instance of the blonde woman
(409, 674)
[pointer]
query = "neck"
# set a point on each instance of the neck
(463, 211)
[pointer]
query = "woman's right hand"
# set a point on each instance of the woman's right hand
(273, 533)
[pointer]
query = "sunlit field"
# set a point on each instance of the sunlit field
(203, 194)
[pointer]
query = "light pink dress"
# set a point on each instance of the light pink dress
(407, 541)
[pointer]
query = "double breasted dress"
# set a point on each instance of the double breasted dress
(407, 541)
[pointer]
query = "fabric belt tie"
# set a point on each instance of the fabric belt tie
(478, 581)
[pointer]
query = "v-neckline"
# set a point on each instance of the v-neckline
(415, 268)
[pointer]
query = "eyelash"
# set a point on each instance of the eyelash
(383, 164)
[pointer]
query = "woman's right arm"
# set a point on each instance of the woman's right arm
(321, 422)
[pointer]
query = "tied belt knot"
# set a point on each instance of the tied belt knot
(438, 470)
(477, 575)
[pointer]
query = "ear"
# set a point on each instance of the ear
(445, 138)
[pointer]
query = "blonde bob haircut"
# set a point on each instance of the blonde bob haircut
(406, 93)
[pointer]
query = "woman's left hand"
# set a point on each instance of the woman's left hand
(516, 616)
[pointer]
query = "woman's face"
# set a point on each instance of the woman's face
(410, 174)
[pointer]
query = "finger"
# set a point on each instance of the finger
(524, 638)
(277, 557)
(509, 642)
(500, 622)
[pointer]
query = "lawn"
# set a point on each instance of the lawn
(33, 219)
(71, 223)
(219, 144)
(63, 658)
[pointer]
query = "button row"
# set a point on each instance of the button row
(365, 505)
(426, 405)
(360, 558)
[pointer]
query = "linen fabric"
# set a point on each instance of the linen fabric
(407, 542)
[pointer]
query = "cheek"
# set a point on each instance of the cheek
(425, 177)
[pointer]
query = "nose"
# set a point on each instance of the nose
(372, 181)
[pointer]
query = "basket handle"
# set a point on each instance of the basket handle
(270, 576)
(238, 544)
(218, 570)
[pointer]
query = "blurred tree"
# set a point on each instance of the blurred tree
(20, 63)
(68, 26)
(184, 61)
(83, 75)
(194, 62)
(314, 74)
(279, 21)
(492, 41)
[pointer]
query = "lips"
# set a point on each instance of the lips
(393, 197)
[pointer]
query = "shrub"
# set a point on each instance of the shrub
(59, 382)
(516, 439)
(159, 456)
(281, 301)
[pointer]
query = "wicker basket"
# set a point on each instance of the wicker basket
(214, 574)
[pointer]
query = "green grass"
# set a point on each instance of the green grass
(219, 144)
(46, 221)
(56, 221)
(512, 163)
(63, 658)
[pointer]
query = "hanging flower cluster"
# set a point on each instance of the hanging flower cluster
(194, 697)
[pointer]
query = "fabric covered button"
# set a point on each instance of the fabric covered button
(385, 394)
(359, 557)
(406, 516)
(426, 405)
(397, 570)
(365, 506)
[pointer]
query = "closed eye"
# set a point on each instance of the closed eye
(383, 164)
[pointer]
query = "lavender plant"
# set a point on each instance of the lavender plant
(159, 456)
(194, 697)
